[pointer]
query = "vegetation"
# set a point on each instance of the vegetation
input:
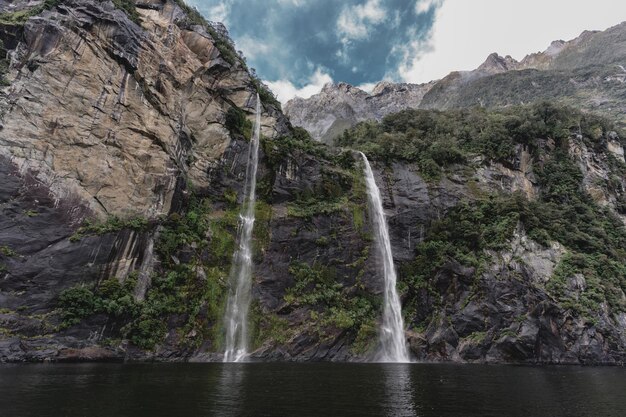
(564, 213)
(111, 225)
(237, 123)
(333, 305)
(7, 251)
(225, 47)
(437, 139)
(128, 7)
(227, 51)
(20, 17)
(265, 94)
(109, 297)
(4, 64)
(195, 249)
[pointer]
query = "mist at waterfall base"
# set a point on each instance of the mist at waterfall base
(392, 342)
(238, 303)
(318, 389)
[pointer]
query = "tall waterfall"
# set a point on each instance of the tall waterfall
(238, 304)
(392, 343)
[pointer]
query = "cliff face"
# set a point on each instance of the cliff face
(105, 114)
(108, 112)
(123, 147)
(586, 72)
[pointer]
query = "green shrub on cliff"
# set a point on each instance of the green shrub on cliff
(435, 139)
(237, 123)
(111, 225)
(128, 7)
(331, 303)
(109, 297)
(4, 64)
(21, 16)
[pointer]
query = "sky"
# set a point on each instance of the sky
(297, 46)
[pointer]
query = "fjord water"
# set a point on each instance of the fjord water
(392, 343)
(238, 303)
(322, 389)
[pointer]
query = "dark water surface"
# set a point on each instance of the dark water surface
(279, 389)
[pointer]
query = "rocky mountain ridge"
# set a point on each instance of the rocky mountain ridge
(580, 72)
(339, 106)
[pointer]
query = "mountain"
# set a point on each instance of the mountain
(339, 106)
(124, 137)
(588, 72)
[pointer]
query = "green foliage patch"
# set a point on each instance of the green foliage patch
(437, 139)
(128, 7)
(188, 295)
(332, 304)
(237, 123)
(110, 225)
(20, 17)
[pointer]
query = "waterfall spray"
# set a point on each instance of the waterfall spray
(392, 343)
(238, 304)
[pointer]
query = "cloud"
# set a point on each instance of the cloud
(289, 41)
(354, 21)
(299, 42)
(285, 90)
(219, 12)
(466, 32)
(368, 87)
(253, 48)
(424, 6)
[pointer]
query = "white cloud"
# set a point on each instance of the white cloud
(367, 87)
(296, 3)
(253, 48)
(219, 12)
(285, 90)
(423, 6)
(466, 32)
(353, 22)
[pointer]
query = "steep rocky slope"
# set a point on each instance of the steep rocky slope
(508, 256)
(122, 155)
(588, 72)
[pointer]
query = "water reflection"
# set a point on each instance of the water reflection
(398, 390)
(303, 390)
(231, 393)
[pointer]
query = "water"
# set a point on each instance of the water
(238, 304)
(392, 342)
(323, 389)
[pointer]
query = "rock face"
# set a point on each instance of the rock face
(103, 116)
(123, 148)
(587, 72)
(123, 107)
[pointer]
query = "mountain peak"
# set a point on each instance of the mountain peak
(495, 64)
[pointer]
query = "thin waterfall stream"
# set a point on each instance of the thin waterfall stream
(239, 294)
(392, 343)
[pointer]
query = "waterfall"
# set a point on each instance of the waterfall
(238, 304)
(392, 343)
